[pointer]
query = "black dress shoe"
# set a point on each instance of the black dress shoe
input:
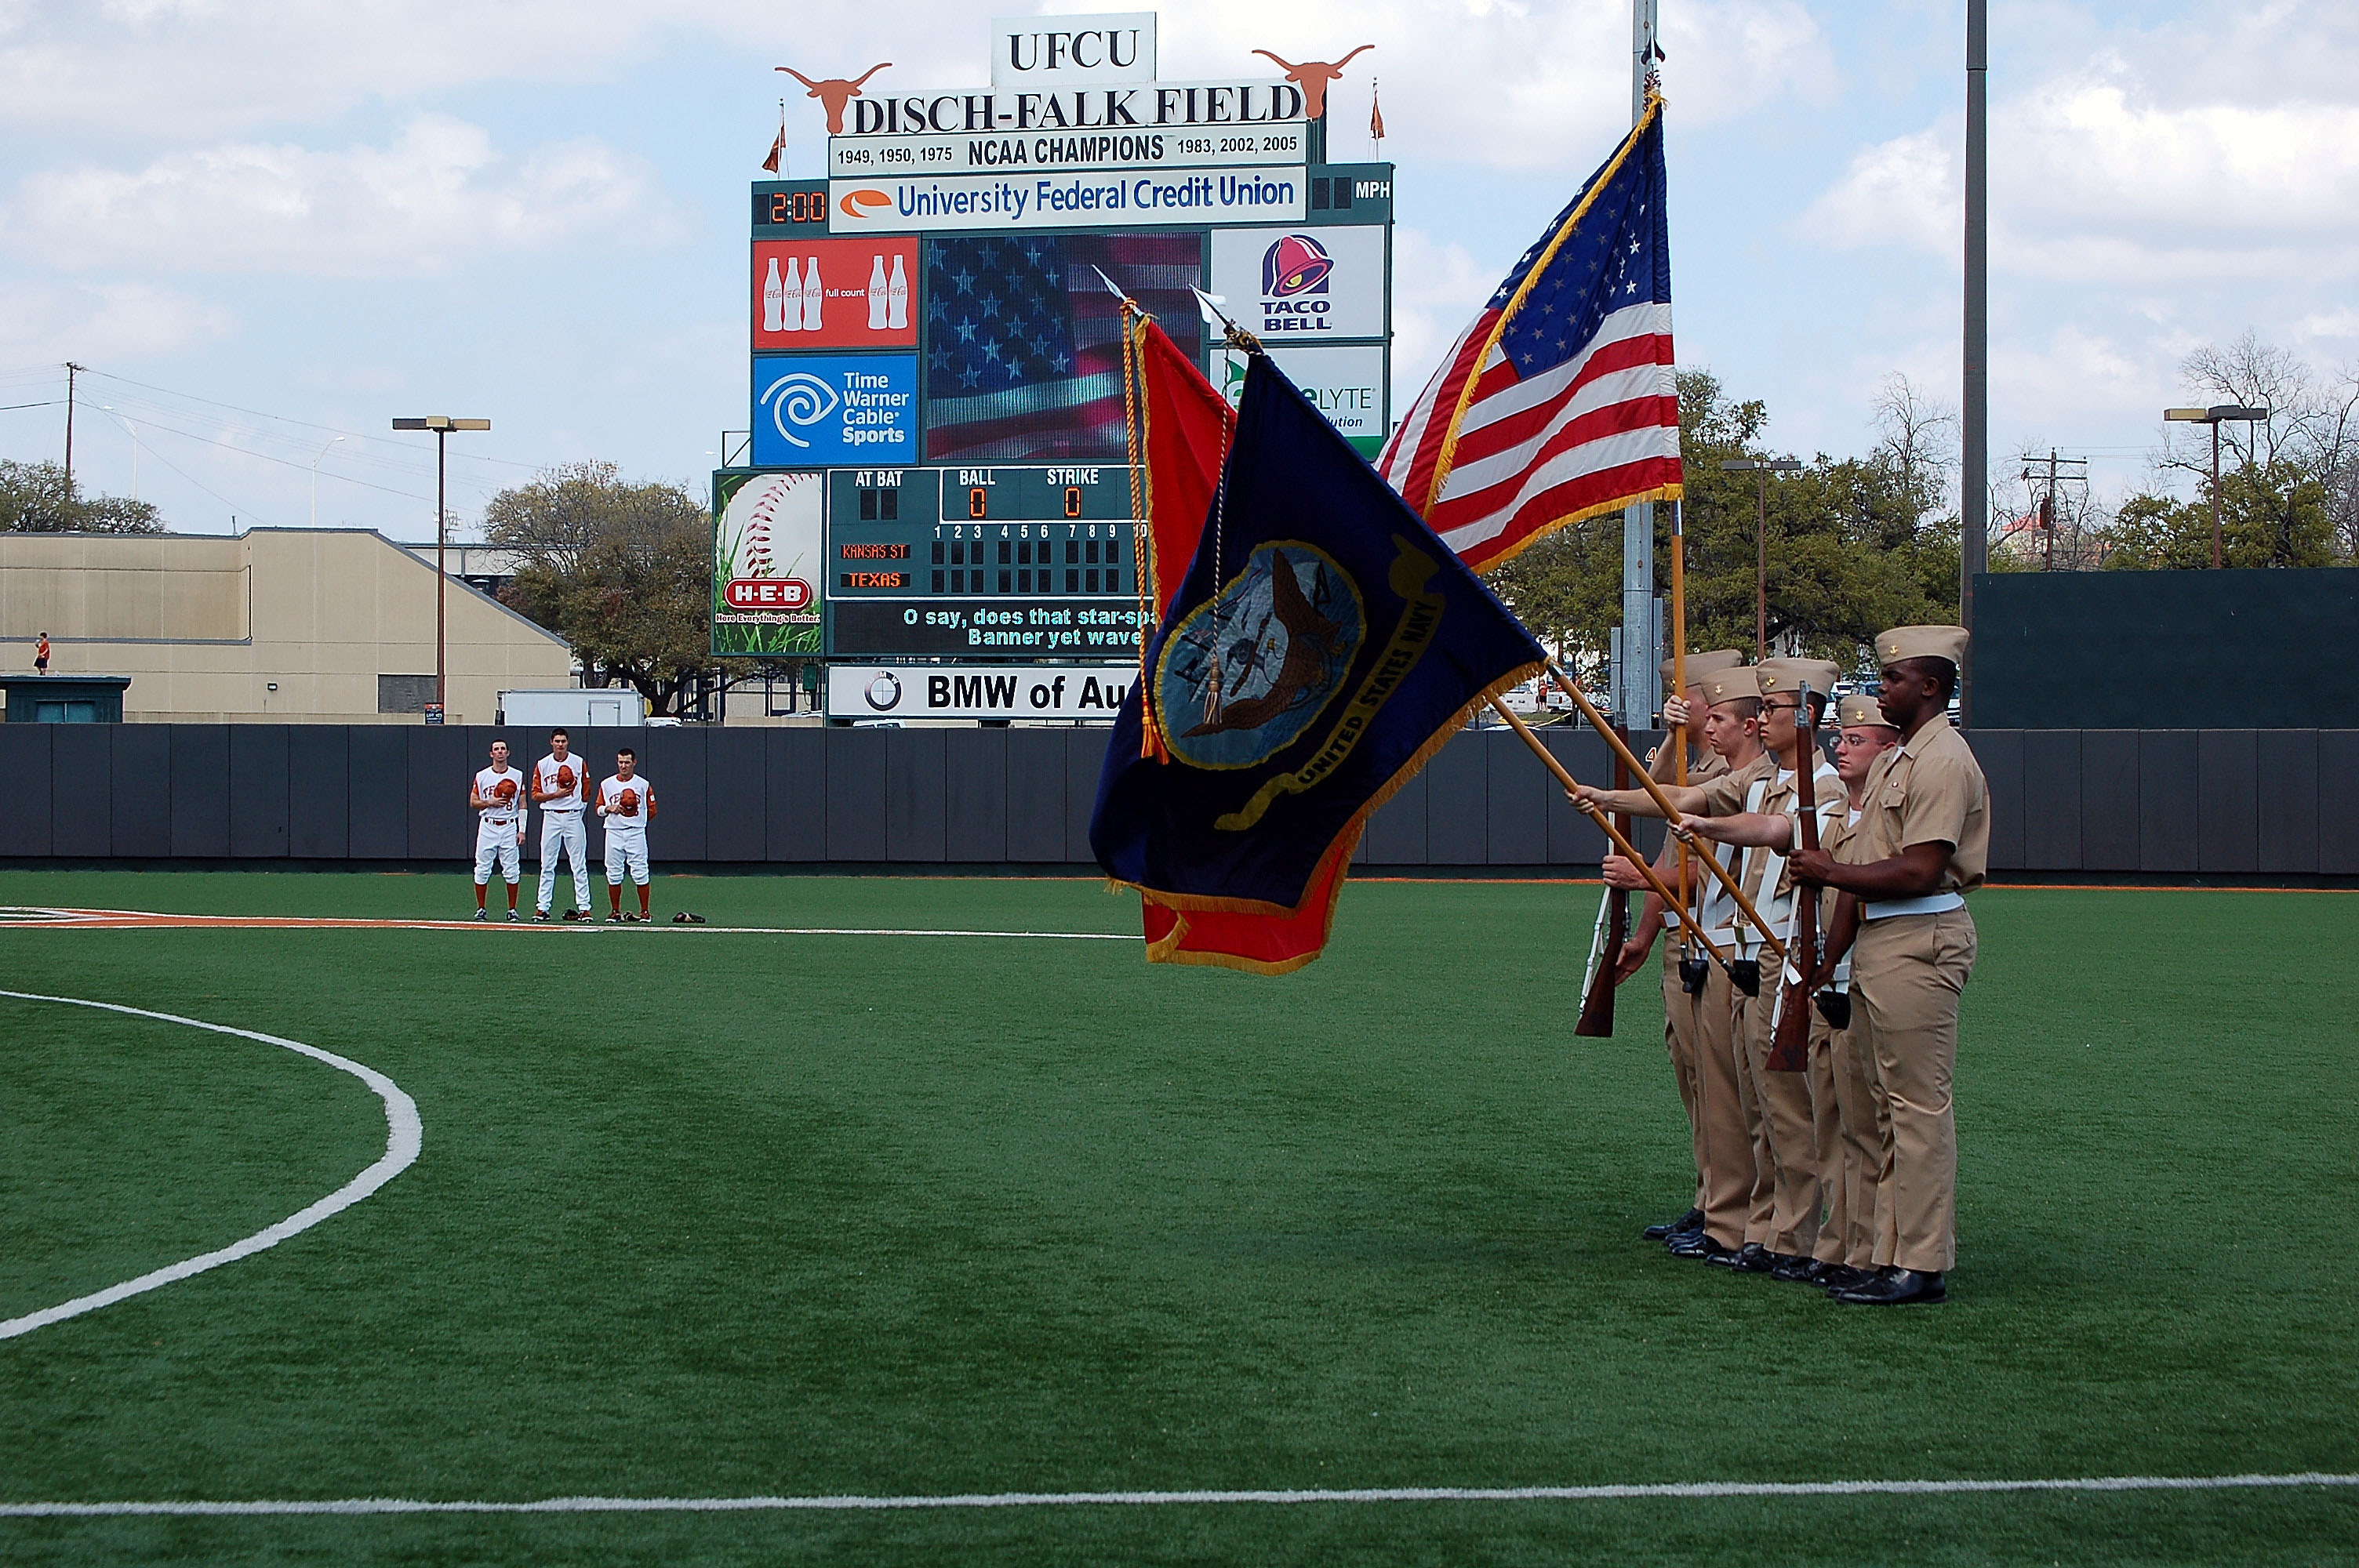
(1699, 1244)
(1750, 1259)
(1690, 1221)
(1895, 1286)
(1835, 1277)
(1797, 1270)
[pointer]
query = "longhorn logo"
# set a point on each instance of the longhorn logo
(835, 93)
(1315, 76)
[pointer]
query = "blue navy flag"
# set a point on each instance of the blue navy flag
(1322, 645)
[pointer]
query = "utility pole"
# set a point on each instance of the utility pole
(72, 370)
(1641, 629)
(2048, 500)
(1974, 484)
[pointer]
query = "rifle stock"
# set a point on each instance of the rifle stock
(1597, 1003)
(1790, 1041)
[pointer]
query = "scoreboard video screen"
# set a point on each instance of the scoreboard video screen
(988, 561)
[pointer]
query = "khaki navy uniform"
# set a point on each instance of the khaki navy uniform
(1727, 1111)
(1909, 963)
(1678, 1014)
(1863, 1124)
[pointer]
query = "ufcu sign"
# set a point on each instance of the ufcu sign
(1044, 51)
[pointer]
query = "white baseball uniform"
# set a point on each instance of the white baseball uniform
(629, 804)
(562, 833)
(500, 837)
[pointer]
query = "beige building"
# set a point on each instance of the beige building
(329, 625)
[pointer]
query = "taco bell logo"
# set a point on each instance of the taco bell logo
(1294, 272)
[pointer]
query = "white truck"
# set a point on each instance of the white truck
(588, 708)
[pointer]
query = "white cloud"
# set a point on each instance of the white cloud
(439, 196)
(2151, 160)
(47, 321)
(1437, 288)
(1900, 192)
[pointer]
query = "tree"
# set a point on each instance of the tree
(2270, 516)
(1855, 545)
(2289, 485)
(35, 499)
(623, 572)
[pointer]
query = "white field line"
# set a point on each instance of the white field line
(403, 1135)
(1702, 1490)
(132, 920)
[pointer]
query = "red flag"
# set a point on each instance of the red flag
(778, 152)
(1188, 426)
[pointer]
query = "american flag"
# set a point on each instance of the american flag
(1574, 405)
(1024, 342)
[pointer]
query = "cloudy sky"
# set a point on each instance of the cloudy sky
(267, 222)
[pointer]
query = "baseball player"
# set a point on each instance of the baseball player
(497, 797)
(627, 803)
(561, 787)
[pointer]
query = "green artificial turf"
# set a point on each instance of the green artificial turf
(707, 1213)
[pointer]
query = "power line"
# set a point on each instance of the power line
(306, 424)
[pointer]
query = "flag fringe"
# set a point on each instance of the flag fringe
(1598, 509)
(1347, 839)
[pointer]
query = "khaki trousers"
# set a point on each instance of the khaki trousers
(1725, 1112)
(1906, 974)
(1679, 1039)
(1826, 1143)
(1864, 1129)
(1785, 1215)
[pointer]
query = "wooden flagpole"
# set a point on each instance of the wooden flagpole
(1672, 814)
(1629, 851)
(1678, 743)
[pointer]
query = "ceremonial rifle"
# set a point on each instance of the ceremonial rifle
(1789, 1036)
(1622, 844)
(1606, 942)
(1598, 723)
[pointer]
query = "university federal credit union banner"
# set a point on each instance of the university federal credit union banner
(1322, 644)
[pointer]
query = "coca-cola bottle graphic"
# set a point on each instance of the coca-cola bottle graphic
(876, 293)
(813, 295)
(897, 295)
(774, 301)
(790, 300)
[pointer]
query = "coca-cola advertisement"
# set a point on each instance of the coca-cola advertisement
(835, 294)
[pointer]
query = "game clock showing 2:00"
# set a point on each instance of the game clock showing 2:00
(982, 562)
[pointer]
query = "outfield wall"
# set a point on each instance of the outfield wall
(2168, 803)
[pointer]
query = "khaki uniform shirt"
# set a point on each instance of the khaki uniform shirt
(1724, 795)
(1702, 769)
(1928, 789)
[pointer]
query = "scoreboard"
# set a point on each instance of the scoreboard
(937, 463)
(987, 562)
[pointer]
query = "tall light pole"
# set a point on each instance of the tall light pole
(2216, 415)
(1761, 469)
(1974, 401)
(1641, 645)
(441, 424)
(315, 477)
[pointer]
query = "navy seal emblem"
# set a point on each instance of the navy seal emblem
(1251, 668)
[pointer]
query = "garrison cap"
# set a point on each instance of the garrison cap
(1921, 643)
(1786, 675)
(1857, 712)
(1702, 665)
(1728, 685)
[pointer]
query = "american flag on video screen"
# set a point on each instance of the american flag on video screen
(1575, 408)
(1024, 352)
